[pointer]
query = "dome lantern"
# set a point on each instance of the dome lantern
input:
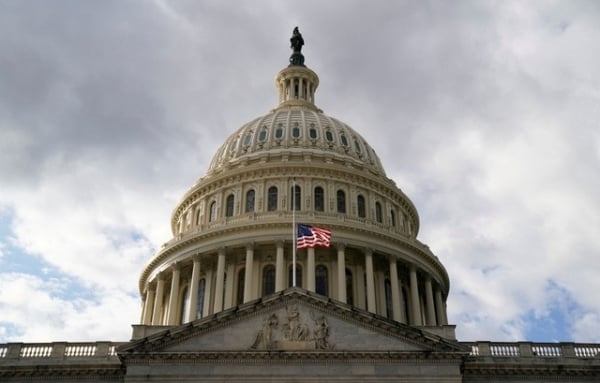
(296, 83)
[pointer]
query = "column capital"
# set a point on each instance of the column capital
(368, 251)
(250, 246)
(221, 251)
(340, 246)
(279, 243)
(176, 266)
(196, 258)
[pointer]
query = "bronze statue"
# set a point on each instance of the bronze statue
(297, 41)
(296, 44)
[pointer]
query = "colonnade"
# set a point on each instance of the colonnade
(392, 286)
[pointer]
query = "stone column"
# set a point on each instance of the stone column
(371, 304)
(439, 306)
(279, 267)
(160, 287)
(249, 274)
(429, 302)
(218, 303)
(228, 301)
(395, 289)
(414, 298)
(148, 306)
(310, 269)
(174, 295)
(341, 264)
(194, 290)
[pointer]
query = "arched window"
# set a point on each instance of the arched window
(250, 201)
(378, 214)
(319, 199)
(262, 136)
(279, 132)
(341, 201)
(229, 206)
(240, 286)
(392, 218)
(297, 194)
(298, 276)
(344, 139)
(185, 305)
(272, 199)
(329, 135)
(388, 298)
(360, 204)
(349, 288)
(321, 280)
(296, 131)
(200, 301)
(213, 212)
(268, 280)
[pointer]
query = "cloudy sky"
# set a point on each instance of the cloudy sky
(485, 113)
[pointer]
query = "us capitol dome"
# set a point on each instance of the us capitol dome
(233, 233)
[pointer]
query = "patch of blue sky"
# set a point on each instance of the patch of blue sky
(10, 330)
(15, 260)
(553, 324)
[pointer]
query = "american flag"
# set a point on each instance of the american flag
(312, 236)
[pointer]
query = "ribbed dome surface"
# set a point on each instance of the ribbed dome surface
(296, 129)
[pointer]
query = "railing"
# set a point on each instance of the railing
(58, 350)
(529, 349)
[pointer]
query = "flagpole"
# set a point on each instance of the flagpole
(294, 232)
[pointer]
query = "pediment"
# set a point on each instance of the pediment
(293, 320)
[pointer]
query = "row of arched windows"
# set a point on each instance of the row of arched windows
(319, 203)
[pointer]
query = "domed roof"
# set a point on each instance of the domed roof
(291, 128)
(296, 125)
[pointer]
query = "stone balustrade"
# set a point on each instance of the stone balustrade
(530, 349)
(9, 352)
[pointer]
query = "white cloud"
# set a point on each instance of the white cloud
(485, 115)
(41, 316)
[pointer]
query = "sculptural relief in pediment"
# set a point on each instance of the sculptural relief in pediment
(292, 331)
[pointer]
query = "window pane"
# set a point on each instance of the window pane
(250, 201)
(329, 135)
(321, 280)
(213, 212)
(378, 214)
(360, 201)
(341, 201)
(319, 199)
(268, 280)
(272, 199)
(229, 206)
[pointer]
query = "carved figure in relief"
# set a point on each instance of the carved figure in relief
(321, 333)
(264, 338)
(294, 330)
